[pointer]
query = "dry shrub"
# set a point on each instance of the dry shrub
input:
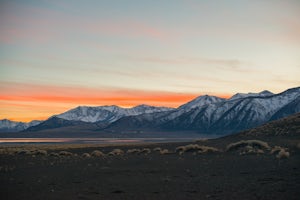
(283, 154)
(157, 149)
(244, 143)
(40, 152)
(188, 148)
(116, 152)
(276, 149)
(86, 155)
(54, 154)
(251, 150)
(97, 153)
(133, 151)
(65, 153)
(24, 152)
(196, 148)
(139, 151)
(280, 151)
(164, 151)
(145, 151)
(207, 149)
(260, 151)
(180, 149)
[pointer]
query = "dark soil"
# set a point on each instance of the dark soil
(225, 175)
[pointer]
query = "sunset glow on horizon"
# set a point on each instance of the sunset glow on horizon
(57, 55)
(39, 103)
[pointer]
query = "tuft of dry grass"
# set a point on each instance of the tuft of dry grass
(244, 143)
(116, 152)
(276, 149)
(283, 154)
(157, 149)
(97, 153)
(65, 153)
(196, 148)
(188, 148)
(145, 151)
(180, 149)
(164, 152)
(139, 151)
(133, 151)
(24, 152)
(54, 154)
(207, 149)
(280, 151)
(40, 152)
(251, 150)
(260, 151)
(86, 155)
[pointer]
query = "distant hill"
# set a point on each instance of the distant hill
(54, 122)
(288, 126)
(107, 113)
(13, 126)
(79, 116)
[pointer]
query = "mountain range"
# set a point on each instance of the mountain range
(216, 115)
(107, 113)
(12, 126)
(205, 114)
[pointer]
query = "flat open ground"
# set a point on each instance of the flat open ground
(220, 175)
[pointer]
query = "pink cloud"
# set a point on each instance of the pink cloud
(41, 25)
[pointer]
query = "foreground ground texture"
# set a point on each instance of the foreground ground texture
(246, 172)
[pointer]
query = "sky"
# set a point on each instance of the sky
(56, 55)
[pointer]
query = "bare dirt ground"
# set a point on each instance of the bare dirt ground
(192, 175)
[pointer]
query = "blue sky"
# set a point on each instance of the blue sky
(163, 48)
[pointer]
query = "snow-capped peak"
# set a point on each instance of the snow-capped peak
(107, 113)
(201, 101)
(8, 125)
(142, 106)
(264, 93)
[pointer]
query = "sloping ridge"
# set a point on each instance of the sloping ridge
(54, 122)
(288, 126)
(225, 117)
(292, 107)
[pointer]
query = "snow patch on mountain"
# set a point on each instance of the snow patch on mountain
(264, 93)
(201, 101)
(10, 126)
(235, 114)
(107, 113)
(207, 114)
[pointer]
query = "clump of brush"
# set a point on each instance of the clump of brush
(195, 148)
(249, 147)
(281, 152)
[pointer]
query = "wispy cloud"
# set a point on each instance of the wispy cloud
(42, 25)
(281, 79)
(222, 64)
(291, 29)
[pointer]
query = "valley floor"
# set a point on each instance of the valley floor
(222, 175)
